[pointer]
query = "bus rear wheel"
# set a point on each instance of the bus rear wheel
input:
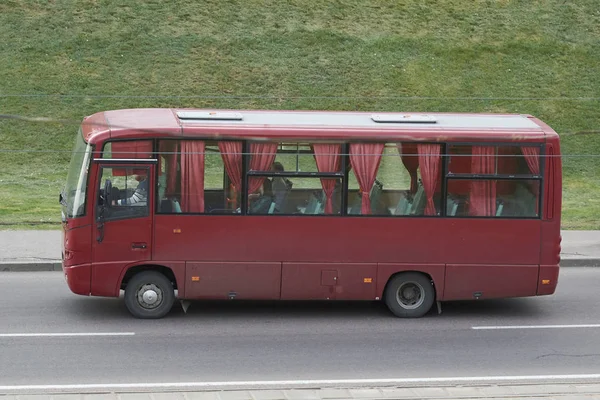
(409, 295)
(149, 295)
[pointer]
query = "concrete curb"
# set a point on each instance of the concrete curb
(57, 265)
(554, 391)
(30, 266)
(580, 262)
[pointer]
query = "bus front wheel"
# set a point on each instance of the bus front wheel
(409, 295)
(149, 295)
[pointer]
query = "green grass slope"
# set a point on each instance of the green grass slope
(67, 59)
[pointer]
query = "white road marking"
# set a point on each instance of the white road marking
(66, 334)
(535, 327)
(250, 385)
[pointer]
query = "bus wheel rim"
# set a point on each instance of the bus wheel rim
(149, 296)
(410, 295)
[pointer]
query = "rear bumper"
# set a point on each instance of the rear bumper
(79, 278)
(548, 279)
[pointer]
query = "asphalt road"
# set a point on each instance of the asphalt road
(226, 341)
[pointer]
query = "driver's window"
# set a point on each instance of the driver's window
(123, 193)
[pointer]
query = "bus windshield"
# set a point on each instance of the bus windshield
(74, 193)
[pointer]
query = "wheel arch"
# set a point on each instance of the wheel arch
(134, 270)
(415, 271)
(388, 271)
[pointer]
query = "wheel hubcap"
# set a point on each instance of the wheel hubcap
(149, 296)
(410, 295)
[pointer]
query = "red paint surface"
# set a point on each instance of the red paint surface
(219, 280)
(78, 278)
(489, 281)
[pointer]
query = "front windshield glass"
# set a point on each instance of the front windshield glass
(74, 194)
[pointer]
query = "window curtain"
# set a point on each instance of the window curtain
(261, 159)
(328, 159)
(483, 192)
(131, 149)
(409, 155)
(192, 176)
(231, 153)
(532, 156)
(429, 162)
(365, 159)
(168, 149)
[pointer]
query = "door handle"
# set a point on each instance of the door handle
(139, 245)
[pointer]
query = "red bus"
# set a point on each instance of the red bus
(410, 209)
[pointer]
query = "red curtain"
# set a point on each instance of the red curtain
(532, 156)
(409, 155)
(192, 176)
(328, 159)
(483, 192)
(261, 159)
(429, 162)
(365, 159)
(131, 149)
(168, 149)
(231, 153)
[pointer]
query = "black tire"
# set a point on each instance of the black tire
(149, 285)
(409, 295)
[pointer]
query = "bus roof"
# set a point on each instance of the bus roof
(336, 125)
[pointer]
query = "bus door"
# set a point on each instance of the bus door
(122, 222)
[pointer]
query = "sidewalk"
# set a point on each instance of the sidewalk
(578, 391)
(41, 250)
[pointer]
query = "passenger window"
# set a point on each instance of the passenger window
(199, 177)
(402, 186)
(493, 198)
(295, 178)
(307, 196)
(488, 181)
(123, 193)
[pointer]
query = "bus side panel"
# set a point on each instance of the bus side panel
(329, 281)
(297, 239)
(490, 241)
(307, 246)
(308, 281)
(356, 282)
(435, 271)
(468, 282)
(239, 280)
